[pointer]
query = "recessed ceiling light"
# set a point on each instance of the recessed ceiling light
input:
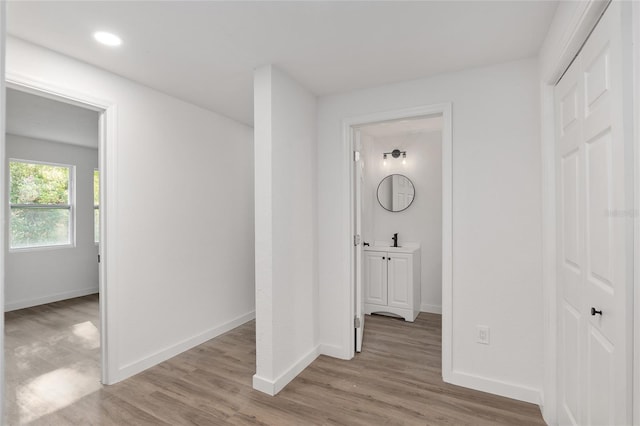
(107, 39)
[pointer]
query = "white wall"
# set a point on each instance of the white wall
(422, 221)
(286, 223)
(33, 277)
(38, 117)
(496, 219)
(180, 241)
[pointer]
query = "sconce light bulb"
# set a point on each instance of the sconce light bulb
(404, 161)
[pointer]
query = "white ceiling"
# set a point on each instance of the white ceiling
(41, 118)
(386, 129)
(205, 51)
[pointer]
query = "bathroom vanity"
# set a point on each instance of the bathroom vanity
(392, 280)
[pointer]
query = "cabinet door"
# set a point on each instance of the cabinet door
(399, 280)
(375, 270)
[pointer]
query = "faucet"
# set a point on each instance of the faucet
(395, 239)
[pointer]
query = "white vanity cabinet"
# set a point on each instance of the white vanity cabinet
(392, 281)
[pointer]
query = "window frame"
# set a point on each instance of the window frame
(70, 207)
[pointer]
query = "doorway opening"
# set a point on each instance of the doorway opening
(401, 220)
(54, 282)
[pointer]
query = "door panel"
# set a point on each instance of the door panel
(375, 268)
(598, 191)
(571, 354)
(569, 99)
(600, 387)
(399, 274)
(596, 78)
(570, 197)
(608, 280)
(568, 109)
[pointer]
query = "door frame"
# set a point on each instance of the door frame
(576, 31)
(445, 109)
(107, 166)
(635, 13)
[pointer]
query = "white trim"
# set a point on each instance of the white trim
(585, 16)
(549, 316)
(263, 385)
(3, 32)
(496, 387)
(635, 13)
(108, 155)
(27, 303)
(447, 228)
(157, 357)
(432, 309)
(273, 387)
(333, 351)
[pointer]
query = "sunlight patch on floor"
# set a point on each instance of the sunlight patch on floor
(57, 389)
(88, 334)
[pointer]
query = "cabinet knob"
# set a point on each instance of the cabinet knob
(383, 258)
(594, 312)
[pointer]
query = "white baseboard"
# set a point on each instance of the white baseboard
(136, 367)
(263, 385)
(333, 351)
(548, 415)
(432, 309)
(497, 387)
(56, 297)
(273, 387)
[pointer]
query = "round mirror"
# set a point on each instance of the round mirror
(395, 193)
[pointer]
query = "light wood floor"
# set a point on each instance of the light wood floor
(396, 380)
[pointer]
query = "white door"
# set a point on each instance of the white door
(595, 255)
(359, 296)
(402, 192)
(375, 277)
(399, 282)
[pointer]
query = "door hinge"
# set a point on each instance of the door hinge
(356, 155)
(356, 239)
(98, 258)
(356, 322)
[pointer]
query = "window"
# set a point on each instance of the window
(96, 206)
(40, 202)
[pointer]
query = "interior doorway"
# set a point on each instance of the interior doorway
(54, 284)
(385, 279)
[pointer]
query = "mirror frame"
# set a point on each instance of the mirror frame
(378, 191)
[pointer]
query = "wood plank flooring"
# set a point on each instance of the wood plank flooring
(396, 380)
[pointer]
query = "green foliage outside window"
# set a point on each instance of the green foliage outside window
(40, 204)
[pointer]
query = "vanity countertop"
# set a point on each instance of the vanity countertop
(408, 248)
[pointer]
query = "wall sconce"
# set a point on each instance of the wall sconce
(395, 154)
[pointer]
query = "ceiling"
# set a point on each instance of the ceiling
(41, 118)
(412, 126)
(205, 51)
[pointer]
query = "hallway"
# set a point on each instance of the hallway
(395, 380)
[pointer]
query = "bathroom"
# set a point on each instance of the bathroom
(401, 196)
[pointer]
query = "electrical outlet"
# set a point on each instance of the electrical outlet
(482, 334)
